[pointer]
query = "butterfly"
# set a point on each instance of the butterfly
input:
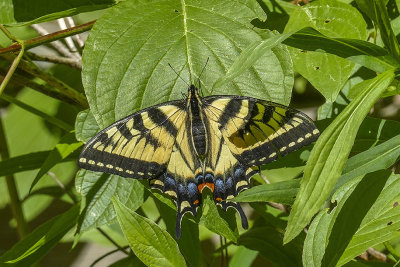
(186, 145)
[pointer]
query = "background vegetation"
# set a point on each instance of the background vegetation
(332, 203)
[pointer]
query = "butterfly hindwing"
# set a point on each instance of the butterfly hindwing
(138, 146)
(258, 131)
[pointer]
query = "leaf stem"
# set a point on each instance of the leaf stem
(30, 43)
(15, 202)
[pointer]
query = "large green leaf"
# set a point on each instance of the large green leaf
(13, 11)
(125, 62)
(151, 244)
(365, 215)
(327, 73)
(85, 126)
(98, 188)
(329, 155)
(38, 243)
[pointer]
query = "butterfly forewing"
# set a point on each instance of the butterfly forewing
(258, 131)
(138, 146)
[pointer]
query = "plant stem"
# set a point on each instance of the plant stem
(15, 202)
(30, 43)
(12, 69)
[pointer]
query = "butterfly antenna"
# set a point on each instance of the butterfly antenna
(202, 73)
(178, 74)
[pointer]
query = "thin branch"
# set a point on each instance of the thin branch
(377, 254)
(70, 43)
(75, 63)
(15, 202)
(106, 255)
(57, 44)
(30, 43)
(112, 241)
(61, 185)
(77, 37)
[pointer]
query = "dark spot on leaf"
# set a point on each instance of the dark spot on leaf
(332, 207)
(389, 223)
(316, 68)
(395, 204)
(327, 20)
(176, 11)
(303, 51)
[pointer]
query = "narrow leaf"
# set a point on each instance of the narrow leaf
(65, 147)
(281, 192)
(365, 215)
(329, 155)
(378, 158)
(22, 163)
(53, 120)
(243, 257)
(38, 243)
(151, 244)
(377, 11)
(32, 12)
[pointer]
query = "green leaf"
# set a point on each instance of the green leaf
(62, 150)
(365, 215)
(38, 243)
(378, 158)
(222, 223)
(51, 119)
(85, 126)
(268, 242)
(32, 12)
(329, 155)
(98, 188)
(189, 243)
(243, 257)
(377, 11)
(281, 192)
(121, 76)
(22, 163)
(151, 244)
(361, 52)
(326, 72)
(255, 51)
